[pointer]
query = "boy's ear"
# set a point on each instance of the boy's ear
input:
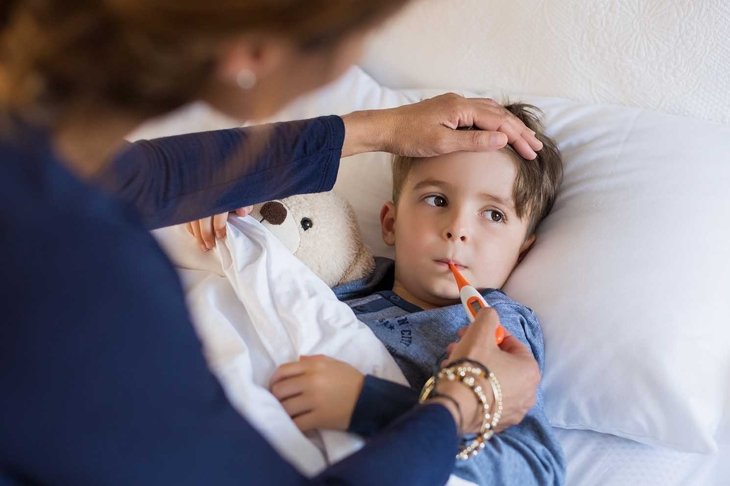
(526, 247)
(387, 223)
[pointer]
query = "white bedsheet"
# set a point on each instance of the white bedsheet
(255, 306)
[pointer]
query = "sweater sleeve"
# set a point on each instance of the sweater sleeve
(418, 448)
(181, 178)
(380, 403)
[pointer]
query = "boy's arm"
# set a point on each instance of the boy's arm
(323, 392)
(318, 392)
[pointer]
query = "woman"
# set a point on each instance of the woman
(102, 377)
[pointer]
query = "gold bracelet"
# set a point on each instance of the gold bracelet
(467, 375)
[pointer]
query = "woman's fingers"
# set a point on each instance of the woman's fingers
(521, 138)
(207, 230)
(244, 211)
(482, 330)
(195, 227)
(497, 127)
(514, 346)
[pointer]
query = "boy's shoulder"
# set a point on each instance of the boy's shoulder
(519, 320)
(506, 305)
(381, 278)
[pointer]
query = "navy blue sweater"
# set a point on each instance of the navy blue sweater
(102, 380)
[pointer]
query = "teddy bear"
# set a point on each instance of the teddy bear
(322, 231)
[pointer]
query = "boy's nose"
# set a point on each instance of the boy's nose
(455, 233)
(456, 227)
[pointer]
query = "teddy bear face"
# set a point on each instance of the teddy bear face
(321, 230)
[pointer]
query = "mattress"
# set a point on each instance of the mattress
(607, 460)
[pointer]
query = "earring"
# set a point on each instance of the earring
(246, 79)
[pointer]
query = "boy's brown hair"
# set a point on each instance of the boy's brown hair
(537, 180)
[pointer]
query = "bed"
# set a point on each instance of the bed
(631, 271)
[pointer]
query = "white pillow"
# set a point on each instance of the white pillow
(630, 273)
(631, 276)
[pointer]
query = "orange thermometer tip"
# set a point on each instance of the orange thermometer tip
(475, 301)
(460, 280)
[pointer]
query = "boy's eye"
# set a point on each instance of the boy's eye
(494, 215)
(438, 201)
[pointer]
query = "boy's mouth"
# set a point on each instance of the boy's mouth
(446, 261)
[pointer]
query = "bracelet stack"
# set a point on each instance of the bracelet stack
(467, 372)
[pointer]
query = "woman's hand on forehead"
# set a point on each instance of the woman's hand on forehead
(431, 127)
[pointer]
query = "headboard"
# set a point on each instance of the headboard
(670, 56)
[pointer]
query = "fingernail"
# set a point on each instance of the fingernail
(220, 235)
(203, 247)
(499, 334)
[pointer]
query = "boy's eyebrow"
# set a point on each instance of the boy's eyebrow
(437, 183)
(500, 200)
(431, 182)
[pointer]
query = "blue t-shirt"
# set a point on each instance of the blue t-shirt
(527, 453)
(102, 379)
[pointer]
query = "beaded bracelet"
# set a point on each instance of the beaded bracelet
(467, 373)
(493, 382)
(473, 362)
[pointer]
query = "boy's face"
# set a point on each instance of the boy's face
(454, 207)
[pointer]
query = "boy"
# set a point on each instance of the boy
(479, 210)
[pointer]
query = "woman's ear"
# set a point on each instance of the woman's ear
(387, 223)
(251, 55)
(526, 247)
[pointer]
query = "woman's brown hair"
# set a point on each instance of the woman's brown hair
(148, 56)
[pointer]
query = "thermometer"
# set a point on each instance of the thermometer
(473, 301)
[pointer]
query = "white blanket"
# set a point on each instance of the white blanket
(255, 306)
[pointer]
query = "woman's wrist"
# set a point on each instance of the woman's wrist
(471, 375)
(365, 131)
(470, 409)
(453, 409)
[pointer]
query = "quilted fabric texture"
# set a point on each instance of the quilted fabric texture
(662, 55)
